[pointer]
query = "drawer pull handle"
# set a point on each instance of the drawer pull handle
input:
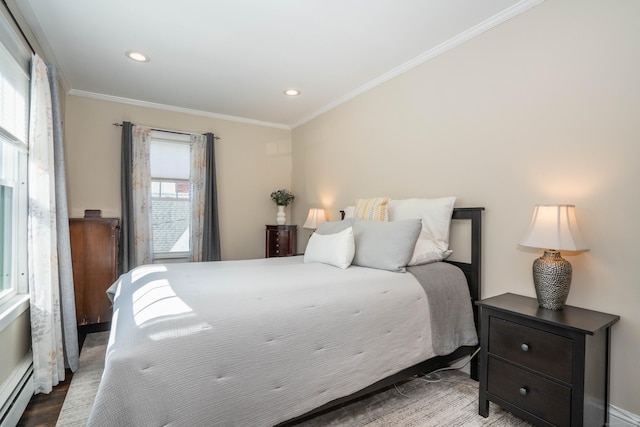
(524, 347)
(524, 391)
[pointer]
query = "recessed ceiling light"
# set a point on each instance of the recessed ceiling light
(292, 92)
(137, 56)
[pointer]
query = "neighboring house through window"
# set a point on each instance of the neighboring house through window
(170, 155)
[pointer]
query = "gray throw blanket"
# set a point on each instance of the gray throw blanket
(449, 304)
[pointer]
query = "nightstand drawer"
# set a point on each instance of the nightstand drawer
(538, 350)
(543, 398)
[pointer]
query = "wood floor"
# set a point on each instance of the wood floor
(43, 409)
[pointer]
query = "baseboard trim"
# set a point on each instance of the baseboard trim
(16, 393)
(621, 418)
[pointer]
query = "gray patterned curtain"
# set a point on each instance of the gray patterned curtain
(211, 227)
(126, 254)
(65, 269)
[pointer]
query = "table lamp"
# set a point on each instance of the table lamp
(553, 228)
(315, 218)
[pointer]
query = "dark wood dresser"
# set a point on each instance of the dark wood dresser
(94, 254)
(549, 367)
(281, 240)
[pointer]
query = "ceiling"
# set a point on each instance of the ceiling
(234, 58)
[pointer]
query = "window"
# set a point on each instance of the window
(14, 115)
(13, 224)
(170, 157)
(6, 237)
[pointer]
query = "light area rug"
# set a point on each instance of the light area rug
(450, 400)
(84, 383)
(447, 398)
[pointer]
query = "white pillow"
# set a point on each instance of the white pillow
(433, 242)
(335, 249)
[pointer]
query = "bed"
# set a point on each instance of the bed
(272, 341)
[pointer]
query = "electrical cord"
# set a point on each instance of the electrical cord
(448, 368)
(425, 377)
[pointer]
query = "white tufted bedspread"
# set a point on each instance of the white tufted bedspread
(253, 343)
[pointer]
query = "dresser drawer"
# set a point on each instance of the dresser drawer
(541, 397)
(280, 240)
(278, 243)
(539, 350)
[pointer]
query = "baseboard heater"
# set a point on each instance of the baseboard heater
(16, 392)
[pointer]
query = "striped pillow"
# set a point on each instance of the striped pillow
(374, 209)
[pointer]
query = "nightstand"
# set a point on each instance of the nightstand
(548, 367)
(281, 240)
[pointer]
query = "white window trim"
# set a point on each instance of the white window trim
(172, 255)
(15, 302)
(20, 283)
(12, 309)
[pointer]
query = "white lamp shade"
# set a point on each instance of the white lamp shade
(554, 227)
(315, 218)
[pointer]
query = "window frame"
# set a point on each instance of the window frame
(162, 136)
(14, 144)
(15, 60)
(18, 240)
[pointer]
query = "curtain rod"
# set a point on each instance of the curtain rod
(15, 21)
(166, 130)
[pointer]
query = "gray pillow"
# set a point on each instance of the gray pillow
(333, 227)
(385, 245)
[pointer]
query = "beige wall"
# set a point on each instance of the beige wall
(251, 162)
(541, 109)
(15, 342)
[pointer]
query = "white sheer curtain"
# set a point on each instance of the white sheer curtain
(141, 186)
(44, 290)
(198, 187)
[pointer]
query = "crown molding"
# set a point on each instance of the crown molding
(136, 102)
(443, 47)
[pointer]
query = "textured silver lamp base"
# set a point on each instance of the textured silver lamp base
(552, 280)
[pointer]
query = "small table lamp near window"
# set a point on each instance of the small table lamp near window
(553, 228)
(315, 218)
